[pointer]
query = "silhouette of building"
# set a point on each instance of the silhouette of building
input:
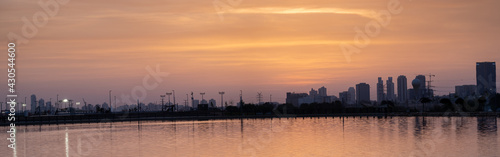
(344, 97)
(293, 98)
(465, 90)
(313, 93)
(423, 89)
(204, 101)
(486, 78)
(363, 93)
(196, 102)
(33, 103)
(390, 90)
(41, 106)
(380, 90)
(322, 91)
(351, 99)
(402, 89)
(212, 103)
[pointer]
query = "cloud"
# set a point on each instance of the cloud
(278, 10)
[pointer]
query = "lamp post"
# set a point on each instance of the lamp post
(65, 102)
(77, 103)
(110, 105)
(24, 107)
(175, 105)
(222, 100)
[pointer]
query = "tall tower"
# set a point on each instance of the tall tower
(322, 91)
(486, 78)
(390, 89)
(422, 89)
(363, 93)
(380, 90)
(33, 103)
(402, 89)
(352, 95)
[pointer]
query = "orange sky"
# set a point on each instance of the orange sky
(271, 46)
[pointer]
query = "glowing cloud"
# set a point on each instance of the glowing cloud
(360, 12)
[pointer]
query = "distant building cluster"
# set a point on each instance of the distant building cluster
(319, 96)
(402, 94)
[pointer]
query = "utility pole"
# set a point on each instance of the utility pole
(111, 106)
(162, 104)
(175, 105)
(115, 103)
(259, 97)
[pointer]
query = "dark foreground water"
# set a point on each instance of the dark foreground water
(396, 136)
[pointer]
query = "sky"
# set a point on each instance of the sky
(83, 49)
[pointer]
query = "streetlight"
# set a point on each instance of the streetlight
(110, 105)
(222, 99)
(24, 107)
(77, 103)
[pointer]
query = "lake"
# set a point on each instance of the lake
(349, 136)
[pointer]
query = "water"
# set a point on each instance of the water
(396, 136)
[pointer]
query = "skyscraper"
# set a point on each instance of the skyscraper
(380, 90)
(363, 93)
(423, 89)
(41, 106)
(486, 78)
(390, 89)
(352, 95)
(402, 89)
(322, 91)
(422, 81)
(33, 103)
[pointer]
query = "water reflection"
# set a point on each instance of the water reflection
(487, 131)
(347, 136)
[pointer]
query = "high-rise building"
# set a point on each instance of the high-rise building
(390, 89)
(486, 78)
(465, 90)
(351, 99)
(380, 90)
(41, 106)
(362, 93)
(423, 89)
(33, 103)
(422, 81)
(344, 97)
(293, 98)
(402, 89)
(313, 93)
(322, 91)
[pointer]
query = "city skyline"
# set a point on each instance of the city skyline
(322, 91)
(249, 50)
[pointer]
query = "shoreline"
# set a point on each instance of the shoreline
(105, 118)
